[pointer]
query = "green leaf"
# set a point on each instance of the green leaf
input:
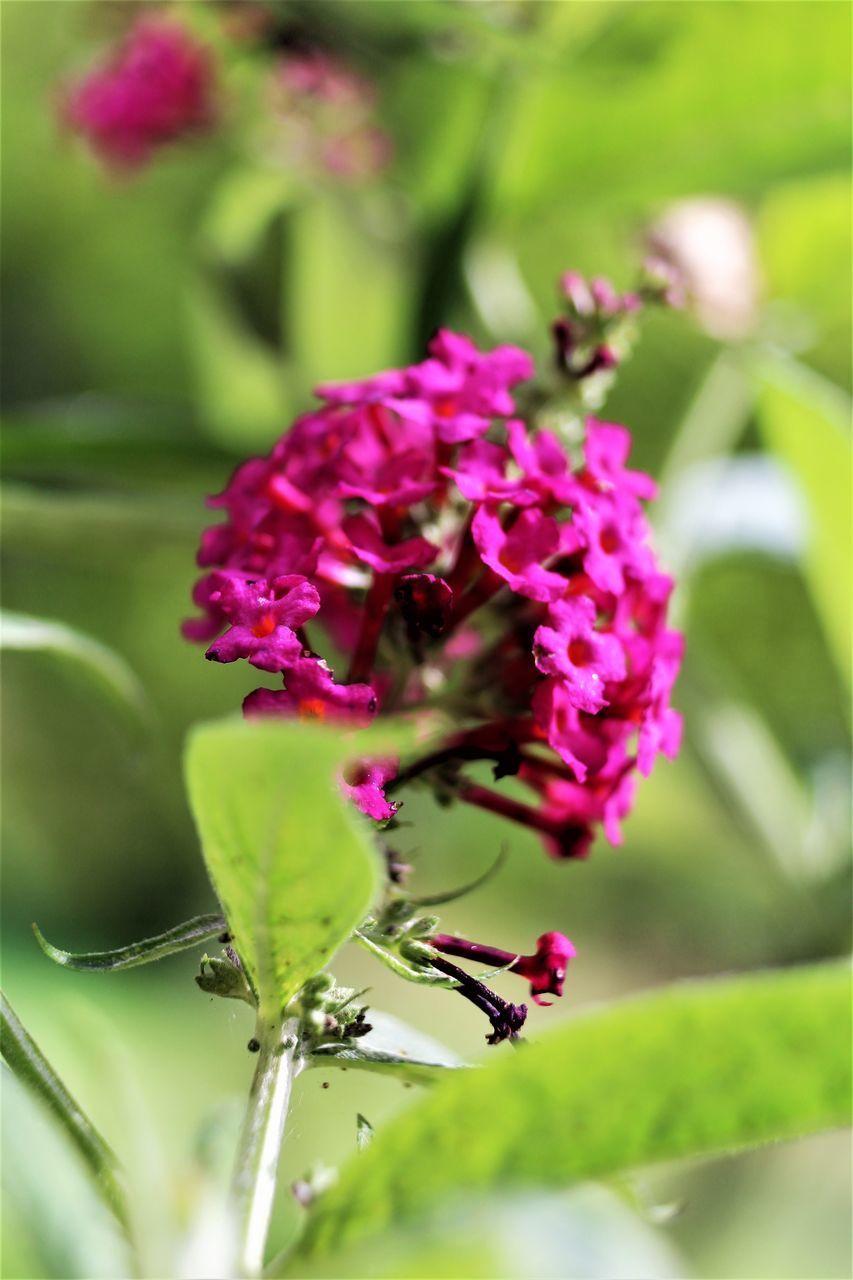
(179, 938)
(241, 382)
(110, 673)
(699, 1069)
(291, 862)
(92, 526)
(346, 292)
(628, 77)
(55, 1223)
(589, 1233)
(805, 420)
(32, 1068)
(805, 250)
(241, 209)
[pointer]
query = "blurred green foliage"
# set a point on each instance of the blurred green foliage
(156, 330)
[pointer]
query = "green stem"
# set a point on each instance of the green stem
(253, 1185)
(34, 1071)
(426, 977)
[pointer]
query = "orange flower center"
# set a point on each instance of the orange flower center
(265, 626)
(311, 709)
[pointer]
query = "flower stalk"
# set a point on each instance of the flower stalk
(253, 1186)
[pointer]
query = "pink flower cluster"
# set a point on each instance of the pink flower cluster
(595, 332)
(321, 114)
(455, 554)
(158, 86)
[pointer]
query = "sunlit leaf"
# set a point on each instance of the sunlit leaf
(346, 294)
(241, 209)
(289, 859)
(698, 1069)
(806, 421)
(241, 382)
(588, 1233)
(804, 241)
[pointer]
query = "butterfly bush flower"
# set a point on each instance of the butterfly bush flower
(416, 524)
(319, 114)
(157, 87)
(545, 969)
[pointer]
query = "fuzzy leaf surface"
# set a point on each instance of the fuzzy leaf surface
(290, 860)
(702, 1068)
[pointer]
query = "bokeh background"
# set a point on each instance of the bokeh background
(158, 328)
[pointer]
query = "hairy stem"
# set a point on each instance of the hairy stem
(253, 1185)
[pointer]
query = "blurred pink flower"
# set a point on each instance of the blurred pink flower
(158, 86)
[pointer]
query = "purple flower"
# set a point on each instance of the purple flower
(320, 113)
(546, 968)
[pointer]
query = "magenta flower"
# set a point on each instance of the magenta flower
(518, 553)
(365, 787)
(545, 969)
(480, 474)
(544, 464)
(455, 557)
(605, 452)
(158, 86)
(311, 693)
(613, 532)
(569, 646)
(366, 540)
(264, 620)
(594, 333)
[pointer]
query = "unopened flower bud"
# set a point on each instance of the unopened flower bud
(320, 985)
(425, 602)
(416, 952)
(315, 1022)
(422, 927)
(222, 978)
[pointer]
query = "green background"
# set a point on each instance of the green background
(158, 329)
